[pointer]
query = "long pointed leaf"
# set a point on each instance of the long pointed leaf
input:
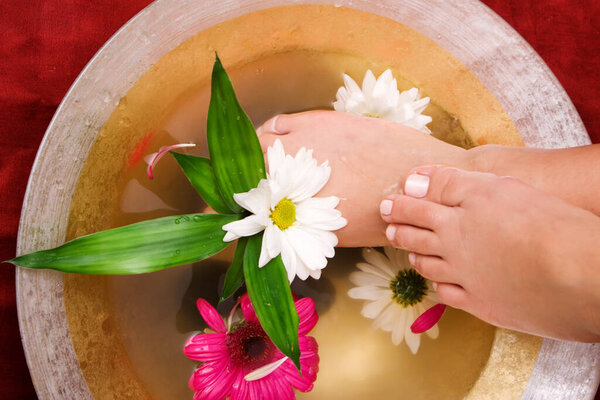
(199, 172)
(234, 278)
(132, 249)
(270, 293)
(235, 152)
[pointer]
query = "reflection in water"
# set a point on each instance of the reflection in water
(207, 280)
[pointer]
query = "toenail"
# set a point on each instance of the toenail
(385, 208)
(412, 258)
(416, 185)
(273, 124)
(390, 232)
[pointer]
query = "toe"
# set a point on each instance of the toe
(452, 295)
(444, 185)
(400, 209)
(433, 268)
(413, 239)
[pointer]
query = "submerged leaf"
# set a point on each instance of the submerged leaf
(234, 278)
(270, 293)
(199, 172)
(133, 249)
(235, 151)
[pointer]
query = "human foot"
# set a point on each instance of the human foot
(508, 253)
(369, 157)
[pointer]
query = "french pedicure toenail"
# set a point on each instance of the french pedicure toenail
(416, 185)
(412, 258)
(385, 208)
(390, 232)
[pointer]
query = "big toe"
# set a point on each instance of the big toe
(444, 185)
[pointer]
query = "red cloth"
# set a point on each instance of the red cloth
(45, 44)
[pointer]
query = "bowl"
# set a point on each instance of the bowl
(81, 334)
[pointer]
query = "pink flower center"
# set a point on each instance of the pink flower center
(250, 347)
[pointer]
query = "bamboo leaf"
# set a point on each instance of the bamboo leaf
(234, 278)
(199, 172)
(142, 247)
(235, 151)
(270, 293)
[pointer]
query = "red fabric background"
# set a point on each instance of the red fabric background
(45, 44)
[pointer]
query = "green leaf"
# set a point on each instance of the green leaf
(133, 249)
(199, 172)
(235, 151)
(270, 293)
(235, 273)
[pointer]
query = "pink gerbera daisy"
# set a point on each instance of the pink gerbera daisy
(240, 362)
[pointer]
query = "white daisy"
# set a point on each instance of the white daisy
(395, 292)
(380, 98)
(296, 224)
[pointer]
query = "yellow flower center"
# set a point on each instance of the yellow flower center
(284, 214)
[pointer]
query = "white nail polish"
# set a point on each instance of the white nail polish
(416, 185)
(390, 232)
(412, 258)
(385, 208)
(273, 123)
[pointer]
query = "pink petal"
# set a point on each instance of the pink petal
(219, 389)
(239, 389)
(302, 383)
(428, 319)
(211, 316)
(268, 389)
(161, 153)
(306, 313)
(207, 347)
(206, 374)
(284, 389)
(309, 358)
(248, 309)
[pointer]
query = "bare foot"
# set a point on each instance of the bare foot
(510, 254)
(369, 158)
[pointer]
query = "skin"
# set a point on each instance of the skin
(519, 252)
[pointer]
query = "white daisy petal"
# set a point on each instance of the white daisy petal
(371, 269)
(256, 200)
(377, 259)
(275, 155)
(368, 83)
(367, 292)
(433, 332)
(413, 340)
(307, 248)
(288, 256)
(351, 85)
(399, 328)
(301, 271)
(366, 279)
(316, 274)
(373, 309)
(385, 320)
(248, 226)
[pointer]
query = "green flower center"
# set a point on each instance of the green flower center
(408, 287)
(284, 214)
